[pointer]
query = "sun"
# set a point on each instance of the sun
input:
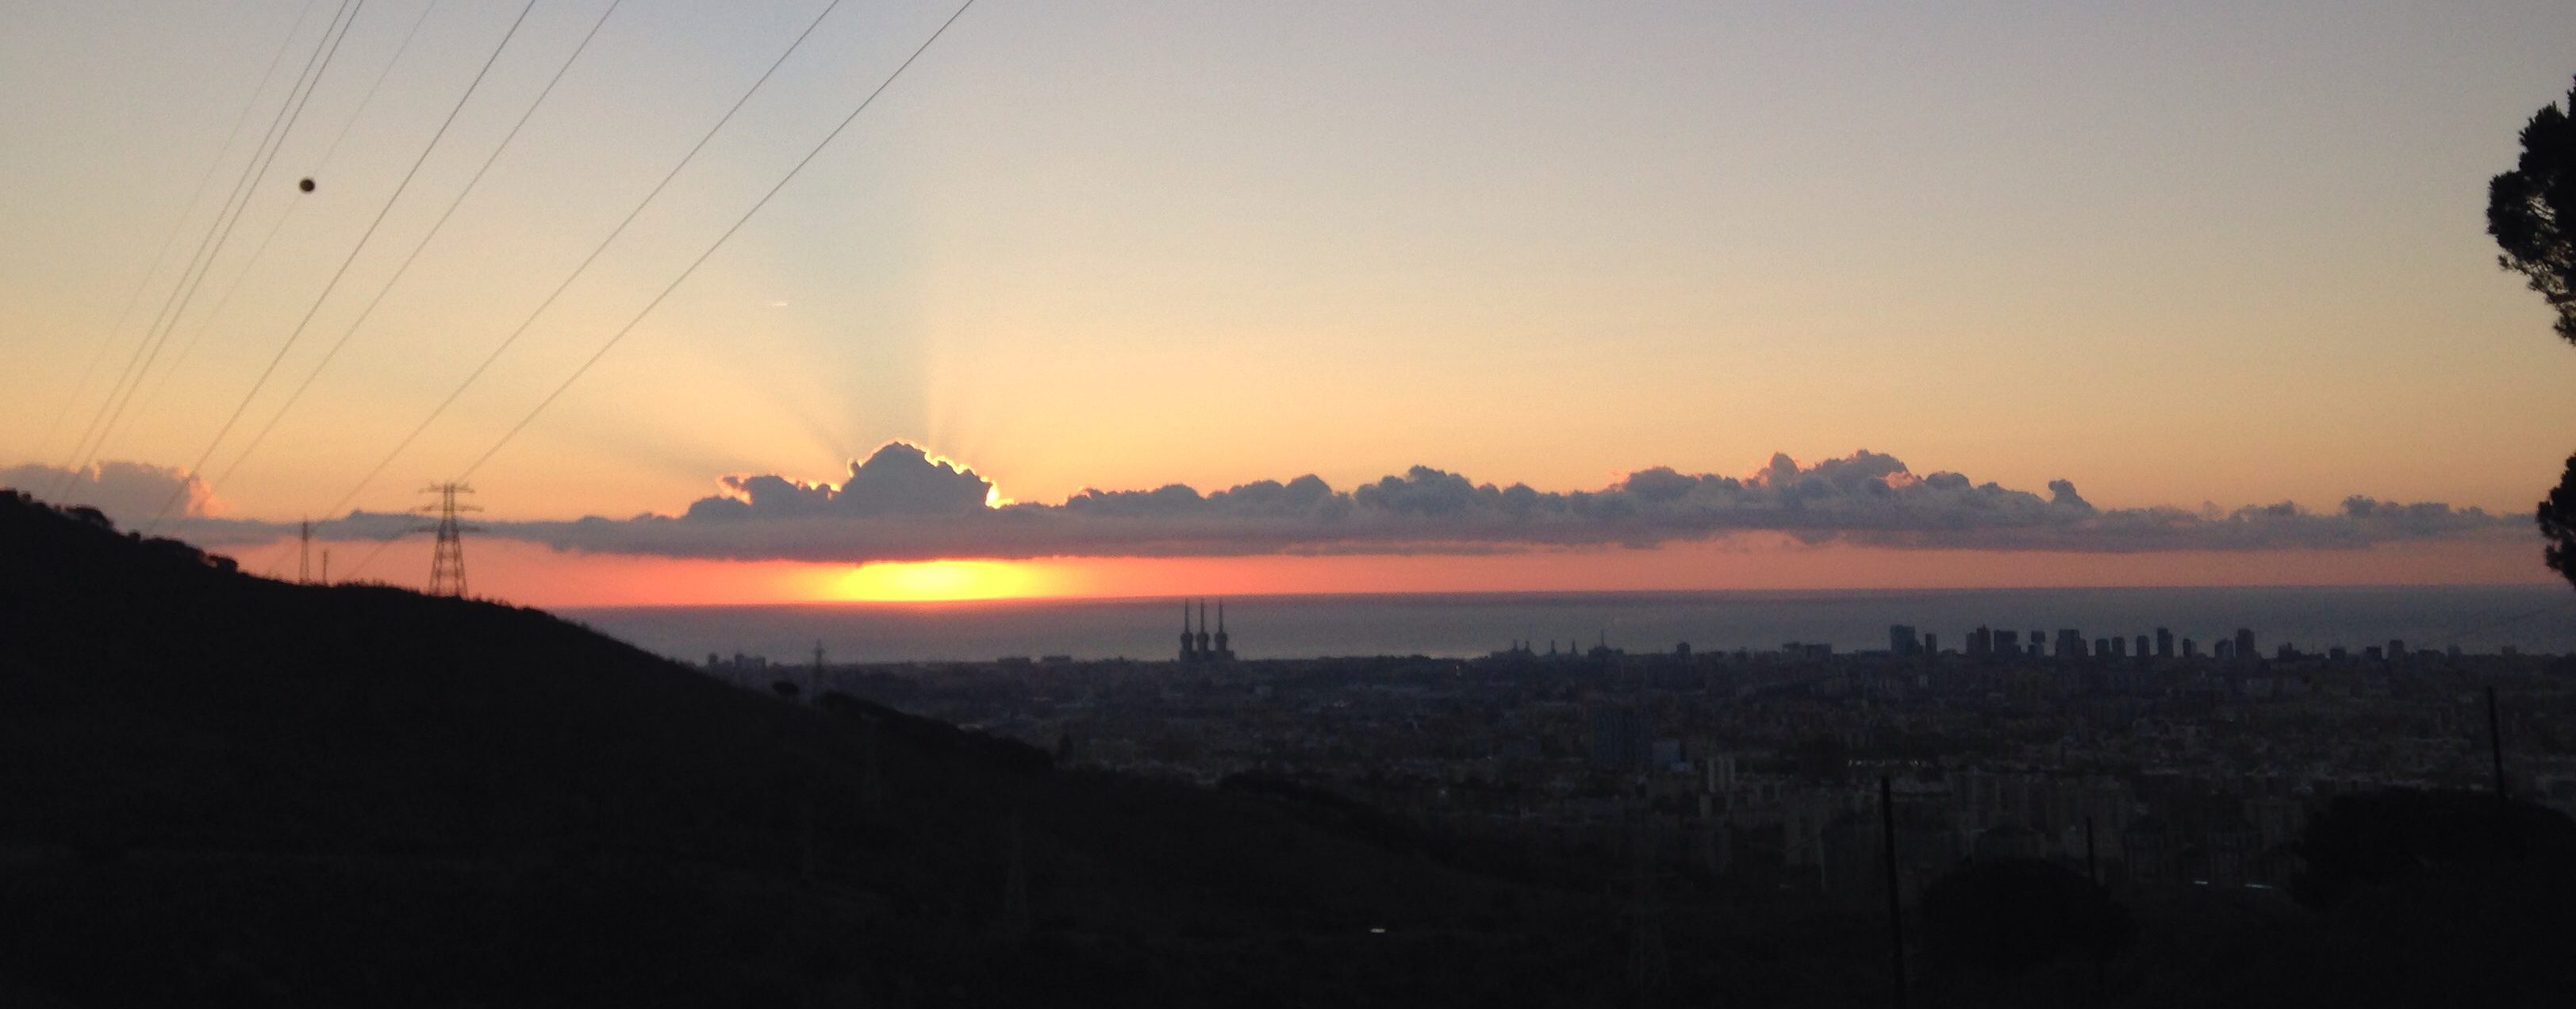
(936, 581)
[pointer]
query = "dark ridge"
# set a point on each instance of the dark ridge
(232, 789)
(217, 789)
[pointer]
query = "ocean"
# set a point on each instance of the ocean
(2533, 618)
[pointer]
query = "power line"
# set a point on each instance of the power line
(385, 541)
(345, 263)
(2463, 631)
(381, 75)
(217, 232)
(260, 252)
(214, 164)
(718, 244)
(364, 314)
(207, 323)
(578, 270)
(817, 149)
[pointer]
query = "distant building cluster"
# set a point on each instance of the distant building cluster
(2144, 758)
(737, 665)
(1986, 644)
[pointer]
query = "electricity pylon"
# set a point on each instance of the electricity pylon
(447, 558)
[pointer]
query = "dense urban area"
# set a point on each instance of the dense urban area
(2148, 761)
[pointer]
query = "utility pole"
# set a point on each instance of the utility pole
(1648, 970)
(2504, 802)
(304, 553)
(2092, 869)
(1015, 919)
(326, 565)
(447, 558)
(1895, 905)
(2093, 872)
(2495, 742)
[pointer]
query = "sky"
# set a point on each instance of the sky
(2188, 258)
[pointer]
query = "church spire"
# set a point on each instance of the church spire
(1205, 652)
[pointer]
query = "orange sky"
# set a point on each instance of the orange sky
(533, 575)
(2231, 255)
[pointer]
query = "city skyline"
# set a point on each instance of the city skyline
(1670, 503)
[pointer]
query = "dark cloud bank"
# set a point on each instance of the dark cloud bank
(902, 504)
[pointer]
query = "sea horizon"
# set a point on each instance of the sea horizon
(2533, 618)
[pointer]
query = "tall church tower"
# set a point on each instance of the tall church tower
(1189, 643)
(1205, 653)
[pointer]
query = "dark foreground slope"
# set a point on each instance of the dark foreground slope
(220, 790)
(216, 789)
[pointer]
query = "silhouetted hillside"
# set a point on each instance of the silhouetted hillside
(223, 790)
(220, 786)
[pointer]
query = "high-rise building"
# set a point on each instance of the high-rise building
(2164, 643)
(1901, 640)
(1931, 644)
(1622, 738)
(2142, 647)
(2245, 644)
(2070, 643)
(2007, 642)
(1981, 642)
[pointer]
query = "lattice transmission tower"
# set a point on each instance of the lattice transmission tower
(447, 558)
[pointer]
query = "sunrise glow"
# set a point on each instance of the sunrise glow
(938, 581)
(1345, 298)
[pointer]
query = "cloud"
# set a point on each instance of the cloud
(903, 503)
(131, 493)
(899, 480)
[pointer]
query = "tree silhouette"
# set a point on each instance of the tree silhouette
(2558, 524)
(2371, 839)
(2531, 211)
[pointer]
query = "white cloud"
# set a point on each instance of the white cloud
(131, 493)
